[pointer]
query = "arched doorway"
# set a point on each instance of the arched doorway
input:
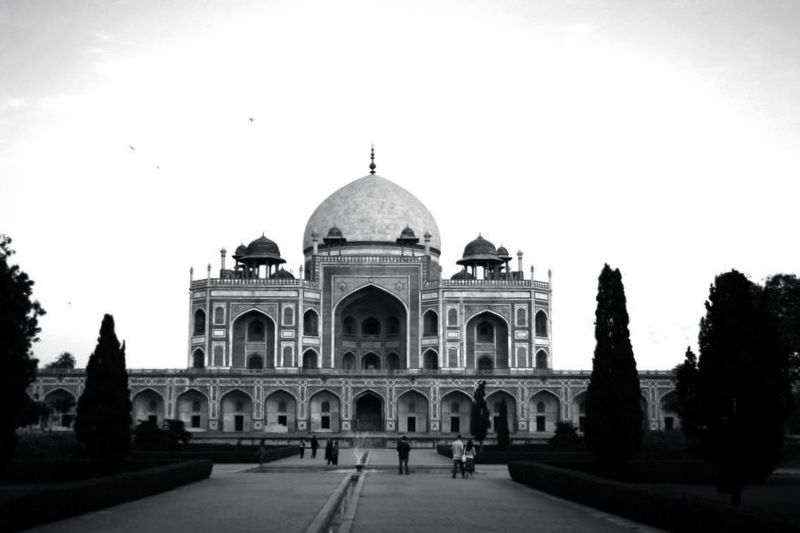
(487, 342)
(493, 402)
(236, 411)
(543, 411)
(193, 410)
(371, 362)
(412, 413)
(62, 409)
(456, 409)
(148, 405)
(370, 315)
(369, 413)
(253, 335)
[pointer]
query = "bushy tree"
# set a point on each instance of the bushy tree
(782, 295)
(19, 327)
(743, 388)
(65, 360)
(687, 376)
(502, 430)
(613, 410)
(565, 437)
(479, 416)
(103, 420)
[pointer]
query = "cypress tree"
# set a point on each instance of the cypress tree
(103, 418)
(687, 379)
(613, 410)
(18, 331)
(479, 416)
(743, 384)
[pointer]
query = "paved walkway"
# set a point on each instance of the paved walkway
(287, 495)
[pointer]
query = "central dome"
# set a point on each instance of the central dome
(372, 209)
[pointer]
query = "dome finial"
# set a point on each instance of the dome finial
(372, 160)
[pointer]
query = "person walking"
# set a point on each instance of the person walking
(469, 455)
(335, 452)
(458, 456)
(262, 454)
(302, 447)
(329, 451)
(314, 446)
(403, 449)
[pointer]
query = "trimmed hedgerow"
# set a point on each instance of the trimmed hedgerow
(494, 456)
(217, 455)
(39, 506)
(672, 511)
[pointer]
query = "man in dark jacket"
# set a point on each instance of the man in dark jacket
(403, 449)
(314, 446)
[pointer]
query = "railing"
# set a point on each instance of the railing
(369, 258)
(411, 372)
(486, 283)
(200, 283)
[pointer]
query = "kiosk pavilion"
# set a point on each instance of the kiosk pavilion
(369, 338)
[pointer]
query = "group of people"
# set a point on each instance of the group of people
(331, 449)
(463, 456)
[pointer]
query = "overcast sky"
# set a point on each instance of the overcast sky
(662, 137)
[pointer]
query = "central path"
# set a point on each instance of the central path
(289, 493)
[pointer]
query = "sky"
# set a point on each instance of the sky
(659, 137)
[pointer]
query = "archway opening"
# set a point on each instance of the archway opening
(487, 342)
(193, 410)
(430, 361)
(371, 362)
(370, 319)
(310, 359)
(253, 334)
(369, 413)
(412, 413)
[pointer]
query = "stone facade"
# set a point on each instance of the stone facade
(369, 337)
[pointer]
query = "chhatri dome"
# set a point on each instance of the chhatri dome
(372, 209)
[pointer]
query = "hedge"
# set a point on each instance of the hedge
(667, 510)
(496, 456)
(47, 504)
(217, 455)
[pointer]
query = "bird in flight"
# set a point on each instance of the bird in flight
(131, 147)
(252, 119)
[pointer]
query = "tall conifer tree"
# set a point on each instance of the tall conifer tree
(687, 379)
(613, 400)
(744, 387)
(103, 419)
(18, 331)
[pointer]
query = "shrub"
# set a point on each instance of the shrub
(672, 511)
(69, 499)
(566, 437)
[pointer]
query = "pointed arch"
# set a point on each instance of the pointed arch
(311, 323)
(192, 408)
(199, 322)
(280, 411)
(456, 406)
(310, 358)
(541, 323)
(430, 359)
(236, 410)
(544, 409)
(198, 358)
(430, 323)
(147, 404)
(245, 337)
(542, 358)
(413, 408)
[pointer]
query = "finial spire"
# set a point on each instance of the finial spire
(372, 160)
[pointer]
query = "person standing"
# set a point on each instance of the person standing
(403, 449)
(302, 447)
(469, 455)
(314, 446)
(458, 452)
(329, 451)
(335, 452)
